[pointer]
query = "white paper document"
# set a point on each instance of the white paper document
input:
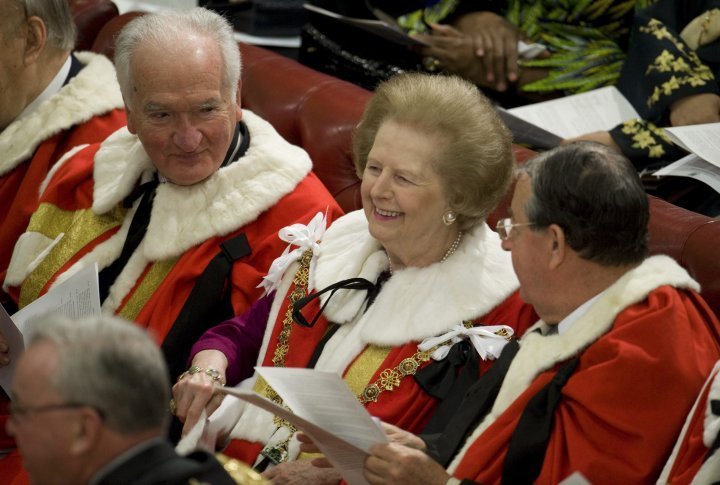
(694, 167)
(77, 297)
(324, 409)
(597, 110)
(702, 140)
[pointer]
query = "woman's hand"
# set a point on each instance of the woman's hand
(195, 392)
(301, 472)
(399, 465)
(696, 109)
(602, 137)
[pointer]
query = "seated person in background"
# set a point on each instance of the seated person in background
(51, 100)
(181, 210)
(585, 44)
(413, 269)
(581, 393)
(671, 78)
(89, 406)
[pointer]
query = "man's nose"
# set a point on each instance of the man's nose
(187, 137)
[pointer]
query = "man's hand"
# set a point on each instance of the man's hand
(301, 472)
(399, 465)
(495, 41)
(402, 437)
(695, 110)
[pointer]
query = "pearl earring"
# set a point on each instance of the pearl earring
(449, 218)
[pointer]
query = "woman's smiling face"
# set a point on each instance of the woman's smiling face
(404, 197)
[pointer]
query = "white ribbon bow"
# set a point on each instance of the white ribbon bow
(304, 237)
(488, 340)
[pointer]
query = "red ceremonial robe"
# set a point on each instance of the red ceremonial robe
(646, 346)
(476, 284)
(81, 220)
(86, 110)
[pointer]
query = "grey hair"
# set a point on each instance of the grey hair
(594, 194)
(476, 164)
(111, 365)
(56, 15)
(171, 27)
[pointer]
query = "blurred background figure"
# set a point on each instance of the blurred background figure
(90, 406)
(51, 100)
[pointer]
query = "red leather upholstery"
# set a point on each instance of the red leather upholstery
(319, 113)
(105, 41)
(90, 16)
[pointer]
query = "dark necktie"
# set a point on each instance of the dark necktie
(136, 233)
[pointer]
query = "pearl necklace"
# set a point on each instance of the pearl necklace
(453, 247)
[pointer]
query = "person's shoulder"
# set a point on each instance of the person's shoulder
(216, 470)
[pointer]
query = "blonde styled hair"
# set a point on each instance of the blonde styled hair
(476, 163)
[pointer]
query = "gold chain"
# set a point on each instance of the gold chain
(301, 284)
(390, 378)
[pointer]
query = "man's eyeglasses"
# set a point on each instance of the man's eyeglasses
(504, 227)
(18, 411)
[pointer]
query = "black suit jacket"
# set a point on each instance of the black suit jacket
(161, 465)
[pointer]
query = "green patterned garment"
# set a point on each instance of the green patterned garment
(585, 37)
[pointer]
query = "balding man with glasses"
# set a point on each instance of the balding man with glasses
(602, 383)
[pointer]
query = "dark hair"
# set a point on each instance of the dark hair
(594, 194)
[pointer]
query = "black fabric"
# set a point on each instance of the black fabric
(449, 380)
(208, 304)
(348, 284)
(451, 426)
(715, 409)
(161, 465)
(526, 450)
(75, 67)
(136, 233)
(321, 345)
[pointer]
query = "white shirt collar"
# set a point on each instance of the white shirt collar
(51, 90)
(576, 314)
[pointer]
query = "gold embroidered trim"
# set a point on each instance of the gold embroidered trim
(301, 284)
(81, 227)
(686, 68)
(146, 289)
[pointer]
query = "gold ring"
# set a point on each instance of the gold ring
(431, 64)
(173, 406)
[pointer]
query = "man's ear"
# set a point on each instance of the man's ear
(558, 246)
(35, 39)
(86, 432)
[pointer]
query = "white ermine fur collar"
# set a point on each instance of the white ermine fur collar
(414, 303)
(94, 91)
(539, 353)
(184, 216)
